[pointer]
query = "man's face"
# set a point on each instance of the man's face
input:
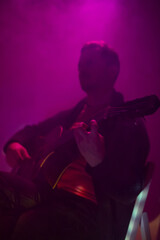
(93, 71)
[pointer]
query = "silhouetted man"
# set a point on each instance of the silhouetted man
(101, 171)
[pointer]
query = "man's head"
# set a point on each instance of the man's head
(98, 67)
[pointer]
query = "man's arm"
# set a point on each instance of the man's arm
(23, 144)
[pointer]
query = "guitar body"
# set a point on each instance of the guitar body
(49, 160)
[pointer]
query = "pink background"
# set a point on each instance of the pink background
(40, 43)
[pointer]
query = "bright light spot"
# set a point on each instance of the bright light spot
(79, 188)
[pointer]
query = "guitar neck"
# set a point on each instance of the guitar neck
(139, 107)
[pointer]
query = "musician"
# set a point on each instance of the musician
(94, 195)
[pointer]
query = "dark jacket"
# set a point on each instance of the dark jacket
(119, 178)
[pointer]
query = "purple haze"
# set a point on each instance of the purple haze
(40, 47)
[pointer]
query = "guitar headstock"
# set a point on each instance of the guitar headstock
(139, 107)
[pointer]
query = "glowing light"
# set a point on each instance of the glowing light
(137, 211)
(79, 188)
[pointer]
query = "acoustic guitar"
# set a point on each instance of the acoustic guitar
(52, 166)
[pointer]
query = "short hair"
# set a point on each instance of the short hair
(112, 58)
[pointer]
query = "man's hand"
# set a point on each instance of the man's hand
(90, 144)
(16, 153)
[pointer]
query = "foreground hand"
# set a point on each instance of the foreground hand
(16, 153)
(90, 144)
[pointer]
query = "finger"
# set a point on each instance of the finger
(61, 130)
(79, 125)
(58, 131)
(55, 133)
(94, 126)
(17, 155)
(80, 132)
(25, 154)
